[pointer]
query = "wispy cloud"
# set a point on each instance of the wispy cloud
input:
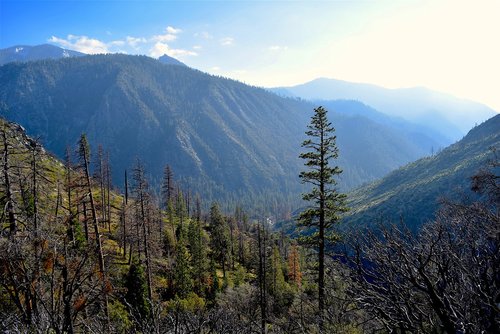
(172, 30)
(204, 35)
(81, 43)
(116, 43)
(135, 41)
(169, 35)
(277, 48)
(160, 48)
(226, 41)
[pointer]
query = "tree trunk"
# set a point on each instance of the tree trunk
(262, 279)
(321, 241)
(8, 190)
(97, 235)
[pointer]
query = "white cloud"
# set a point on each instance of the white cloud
(277, 48)
(204, 35)
(226, 41)
(215, 68)
(172, 30)
(169, 35)
(164, 38)
(134, 41)
(159, 49)
(81, 43)
(154, 46)
(116, 43)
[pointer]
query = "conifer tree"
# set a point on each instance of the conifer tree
(137, 292)
(167, 186)
(294, 273)
(220, 236)
(183, 283)
(277, 279)
(326, 203)
(198, 253)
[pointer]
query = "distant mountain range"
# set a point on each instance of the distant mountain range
(413, 192)
(23, 53)
(221, 137)
(443, 113)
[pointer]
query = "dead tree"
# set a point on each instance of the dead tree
(84, 156)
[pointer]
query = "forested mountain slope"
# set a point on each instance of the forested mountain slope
(413, 192)
(223, 138)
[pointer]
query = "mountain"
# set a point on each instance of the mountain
(446, 114)
(424, 139)
(219, 135)
(23, 53)
(222, 138)
(167, 60)
(413, 192)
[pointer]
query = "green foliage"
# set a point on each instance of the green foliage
(78, 235)
(119, 317)
(169, 239)
(276, 278)
(84, 147)
(239, 276)
(326, 202)
(198, 261)
(191, 303)
(219, 241)
(183, 283)
(137, 292)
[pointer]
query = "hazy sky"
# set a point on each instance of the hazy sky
(452, 46)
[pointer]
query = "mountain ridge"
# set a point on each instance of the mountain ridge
(442, 112)
(413, 193)
(24, 53)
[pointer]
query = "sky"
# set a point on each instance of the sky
(451, 46)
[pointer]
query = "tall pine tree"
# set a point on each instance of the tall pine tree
(326, 203)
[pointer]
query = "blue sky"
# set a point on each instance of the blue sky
(447, 45)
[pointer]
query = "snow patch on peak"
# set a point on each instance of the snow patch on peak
(65, 54)
(19, 49)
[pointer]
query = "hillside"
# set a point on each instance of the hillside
(450, 116)
(23, 53)
(225, 138)
(414, 191)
